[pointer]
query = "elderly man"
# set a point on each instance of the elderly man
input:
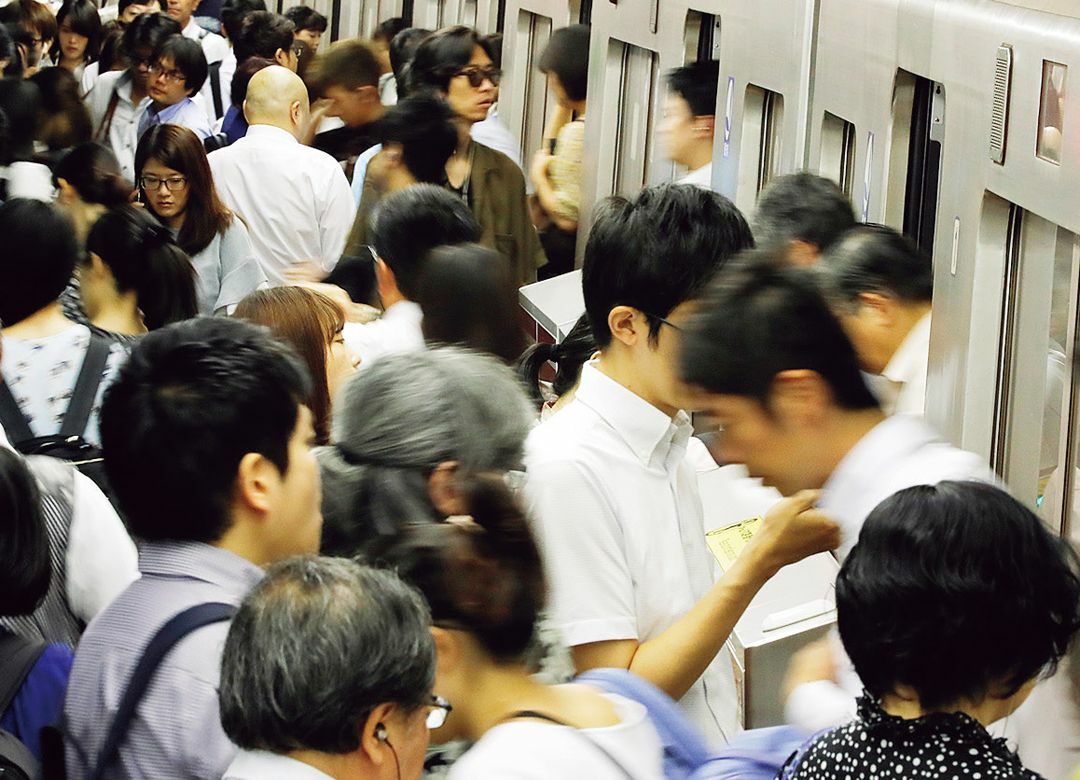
(327, 673)
(295, 200)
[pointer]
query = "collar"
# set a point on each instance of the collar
(653, 437)
(884, 445)
(270, 133)
(404, 311)
(193, 31)
(250, 764)
(198, 561)
(909, 359)
(167, 114)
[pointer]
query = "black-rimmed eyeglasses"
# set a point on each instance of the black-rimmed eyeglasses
(477, 75)
(438, 711)
(669, 323)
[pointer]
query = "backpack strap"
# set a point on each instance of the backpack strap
(159, 646)
(11, 417)
(17, 657)
(102, 134)
(215, 88)
(534, 715)
(86, 387)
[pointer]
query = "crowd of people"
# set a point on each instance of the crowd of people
(290, 493)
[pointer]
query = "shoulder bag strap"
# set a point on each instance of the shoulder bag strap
(106, 121)
(17, 657)
(215, 88)
(159, 646)
(86, 387)
(11, 417)
(534, 715)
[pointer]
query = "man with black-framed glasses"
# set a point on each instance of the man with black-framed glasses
(176, 74)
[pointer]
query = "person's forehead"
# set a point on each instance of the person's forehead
(676, 104)
(479, 57)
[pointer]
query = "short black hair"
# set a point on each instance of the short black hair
(411, 222)
(40, 252)
(314, 648)
(189, 58)
(442, 54)
(759, 318)
(261, 34)
(697, 84)
(402, 49)
(234, 11)
(241, 79)
(803, 207)
(305, 18)
(876, 258)
(954, 590)
(388, 28)
(656, 251)
(350, 64)
(24, 545)
(93, 170)
(424, 127)
(122, 5)
(148, 31)
(567, 56)
(192, 400)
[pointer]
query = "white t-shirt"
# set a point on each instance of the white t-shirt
(535, 750)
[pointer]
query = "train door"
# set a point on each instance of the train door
(378, 11)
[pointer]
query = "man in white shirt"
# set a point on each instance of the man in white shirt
(689, 119)
(215, 49)
(407, 226)
(295, 200)
(802, 215)
(880, 287)
(613, 496)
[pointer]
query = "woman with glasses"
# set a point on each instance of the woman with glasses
(456, 63)
(177, 187)
(177, 73)
(483, 580)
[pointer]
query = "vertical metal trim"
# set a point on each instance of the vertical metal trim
(654, 15)
(999, 117)
(1013, 258)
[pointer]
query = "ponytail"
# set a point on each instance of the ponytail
(531, 363)
(94, 172)
(569, 355)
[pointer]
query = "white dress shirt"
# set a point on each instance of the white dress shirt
(121, 137)
(701, 177)
(263, 765)
(294, 199)
(491, 132)
(906, 372)
(618, 516)
(398, 330)
(216, 49)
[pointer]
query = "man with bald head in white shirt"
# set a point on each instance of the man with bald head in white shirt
(295, 200)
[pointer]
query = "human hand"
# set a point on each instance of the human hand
(792, 530)
(812, 663)
(304, 271)
(540, 162)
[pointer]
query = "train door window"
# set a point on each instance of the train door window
(759, 154)
(468, 13)
(701, 37)
(637, 91)
(838, 151)
(500, 20)
(534, 31)
(585, 14)
(1051, 111)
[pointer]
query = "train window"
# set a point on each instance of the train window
(701, 37)
(534, 31)
(637, 91)
(585, 14)
(759, 154)
(838, 151)
(1051, 111)
(468, 13)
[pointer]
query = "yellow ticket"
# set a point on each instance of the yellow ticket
(726, 543)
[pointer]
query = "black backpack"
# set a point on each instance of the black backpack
(69, 443)
(17, 657)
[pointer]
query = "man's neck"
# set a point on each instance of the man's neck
(908, 317)
(617, 366)
(699, 156)
(41, 324)
(844, 430)
(288, 128)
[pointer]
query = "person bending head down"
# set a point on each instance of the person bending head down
(802, 215)
(265, 34)
(277, 97)
(418, 136)
(329, 665)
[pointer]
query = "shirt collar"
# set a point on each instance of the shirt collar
(910, 359)
(198, 561)
(654, 438)
(166, 115)
(270, 133)
(261, 763)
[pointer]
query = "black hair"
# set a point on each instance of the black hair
(24, 544)
(876, 258)
(190, 402)
(189, 58)
(112, 41)
(411, 222)
(355, 274)
(305, 18)
(40, 252)
(350, 64)
(424, 127)
(697, 84)
(234, 11)
(262, 34)
(656, 251)
(443, 54)
(148, 31)
(85, 20)
(957, 590)
(388, 28)
(122, 5)
(402, 49)
(143, 256)
(567, 56)
(9, 52)
(487, 580)
(242, 78)
(759, 318)
(803, 207)
(94, 172)
(469, 298)
(63, 118)
(568, 355)
(5, 139)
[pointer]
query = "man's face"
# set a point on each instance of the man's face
(167, 84)
(355, 107)
(677, 129)
(296, 524)
(137, 9)
(182, 10)
(311, 37)
(141, 60)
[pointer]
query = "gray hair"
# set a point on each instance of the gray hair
(314, 648)
(397, 421)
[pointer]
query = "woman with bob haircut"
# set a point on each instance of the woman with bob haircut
(176, 184)
(953, 603)
(78, 39)
(313, 324)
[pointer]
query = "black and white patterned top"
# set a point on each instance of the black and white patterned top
(935, 747)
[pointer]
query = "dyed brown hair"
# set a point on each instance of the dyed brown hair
(309, 322)
(179, 148)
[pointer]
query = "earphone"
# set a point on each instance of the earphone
(380, 733)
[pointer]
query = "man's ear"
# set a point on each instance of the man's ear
(281, 57)
(881, 307)
(256, 481)
(802, 253)
(800, 396)
(628, 325)
(374, 737)
(443, 490)
(704, 125)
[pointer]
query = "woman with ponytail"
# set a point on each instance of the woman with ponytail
(133, 277)
(89, 183)
(483, 580)
(177, 187)
(569, 355)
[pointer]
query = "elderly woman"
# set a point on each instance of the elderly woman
(405, 433)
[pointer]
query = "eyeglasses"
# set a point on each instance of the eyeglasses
(440, 709)
(172, 184)
(478, 75)
(176, 76)
(298, 50)
(669, 323)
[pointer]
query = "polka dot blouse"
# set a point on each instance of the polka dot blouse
(935, 747)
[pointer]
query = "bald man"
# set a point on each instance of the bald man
(295, 200)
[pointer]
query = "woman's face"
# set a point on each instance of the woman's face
(165, 189)
(72, 44)
(469, 102)
(341, 363)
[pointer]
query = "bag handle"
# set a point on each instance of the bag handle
(159, 646)
(17, 657)
(11, 417)
(86, 386)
